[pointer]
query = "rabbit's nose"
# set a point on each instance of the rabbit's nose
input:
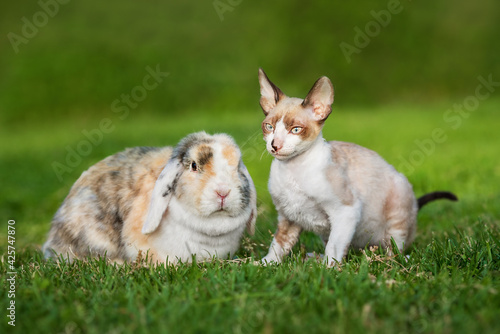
(223, 192)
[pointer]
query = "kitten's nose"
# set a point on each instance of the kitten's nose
(276, 145)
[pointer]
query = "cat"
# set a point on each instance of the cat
(346, 193)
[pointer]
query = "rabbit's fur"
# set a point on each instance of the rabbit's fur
(171, 203)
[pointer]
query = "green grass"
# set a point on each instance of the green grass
(449, 284)
(439, 289)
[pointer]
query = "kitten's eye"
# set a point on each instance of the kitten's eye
(296, 130)
(194, 167)
(269, 127)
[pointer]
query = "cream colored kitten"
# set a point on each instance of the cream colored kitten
(346, 193)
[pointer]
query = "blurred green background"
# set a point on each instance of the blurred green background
(91, 52)
(64, 73)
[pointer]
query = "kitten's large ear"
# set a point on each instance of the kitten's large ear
(320, 99)
(162, 194)
(269, 93)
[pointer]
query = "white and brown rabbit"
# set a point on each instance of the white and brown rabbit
(173, 203)
(346, 193)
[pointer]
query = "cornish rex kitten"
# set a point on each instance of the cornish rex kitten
(345, 193)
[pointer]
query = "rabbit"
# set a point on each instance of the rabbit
(170, 203)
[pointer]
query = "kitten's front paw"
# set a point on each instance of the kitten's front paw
(269, 260)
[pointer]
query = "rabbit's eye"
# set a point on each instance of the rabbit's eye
(194, 167)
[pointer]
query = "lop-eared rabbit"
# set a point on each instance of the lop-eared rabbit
(169, 203)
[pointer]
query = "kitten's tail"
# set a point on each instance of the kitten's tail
(434, 196)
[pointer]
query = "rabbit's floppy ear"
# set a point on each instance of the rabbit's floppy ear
(162, 194)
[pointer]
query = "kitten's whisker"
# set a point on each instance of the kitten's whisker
(265, 151)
